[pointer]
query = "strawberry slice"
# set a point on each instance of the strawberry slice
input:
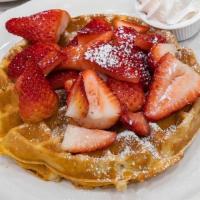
(104, 108)
(57, 79)
(134, 25)
(82, 140)
(131, 96)
(174, 86)
(37, 100)
(77, 102)
(96, 25)
(120, 61)
(46, 56)
(159, 50)
(136, 122)
(128, 36)
(45, 26)
(146, 41)
(75, 51)
(125, 35)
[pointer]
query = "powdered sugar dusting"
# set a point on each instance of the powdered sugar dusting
(121, 56)
(170, 131)
(104, 55)
(144, 142)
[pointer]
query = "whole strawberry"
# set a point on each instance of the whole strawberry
(45, 26)
(37, 100)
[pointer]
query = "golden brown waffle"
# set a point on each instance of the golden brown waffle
(130, 159)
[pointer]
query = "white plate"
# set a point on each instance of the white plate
(181, 182)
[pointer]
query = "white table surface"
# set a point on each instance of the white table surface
(6, 5)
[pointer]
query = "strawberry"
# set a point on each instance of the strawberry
(96, 25)
(104, 107)
(82, 140)
(77, 102)
(136, 122)
(174, 86)
(146, 41)
(121, 61)
(159, 50)
(134, 25)
(128, 36)
(46, 56)
(57, 79)
(75, 51)
(130, 95)
(37, 100)
(45, 26)
(125, 35)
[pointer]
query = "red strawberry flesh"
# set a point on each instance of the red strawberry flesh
(131, 96)
(136, 122)
(57, 79)
(134, 25)
(46, 26)
(37, 100)
(46, 56)
(75, 52)
(123, 62)
(96, 25)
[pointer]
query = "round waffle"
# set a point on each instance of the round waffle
(36, 147)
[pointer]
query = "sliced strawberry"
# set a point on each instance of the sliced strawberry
(125, 35)
(96, 25)
(37, 100)
(45, 26)
(75, 52)
(136, 122)
(131, 96)
(146, 41)
(120, 61)
(82, 140)
(46, 56)
(174, 86)
(134, 25)
(104, 107)
(77, 102)
(57, 79)
(159, 50)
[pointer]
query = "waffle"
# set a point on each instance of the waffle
(36, 147)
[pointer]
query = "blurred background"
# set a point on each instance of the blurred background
(6, 4)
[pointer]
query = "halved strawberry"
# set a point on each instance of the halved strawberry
(104, 107)
(37, 100)
(46, 26)
(121, 61)
(45, 55)
(174, 86)
(146, 41)
(82, 140)
(57, 79)
(159, 50)
(75, 52)
(96, 25)
(136, 122)
(131, 96)
(77, 102)
(136, 26)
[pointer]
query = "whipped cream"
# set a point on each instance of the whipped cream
(169, 12)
